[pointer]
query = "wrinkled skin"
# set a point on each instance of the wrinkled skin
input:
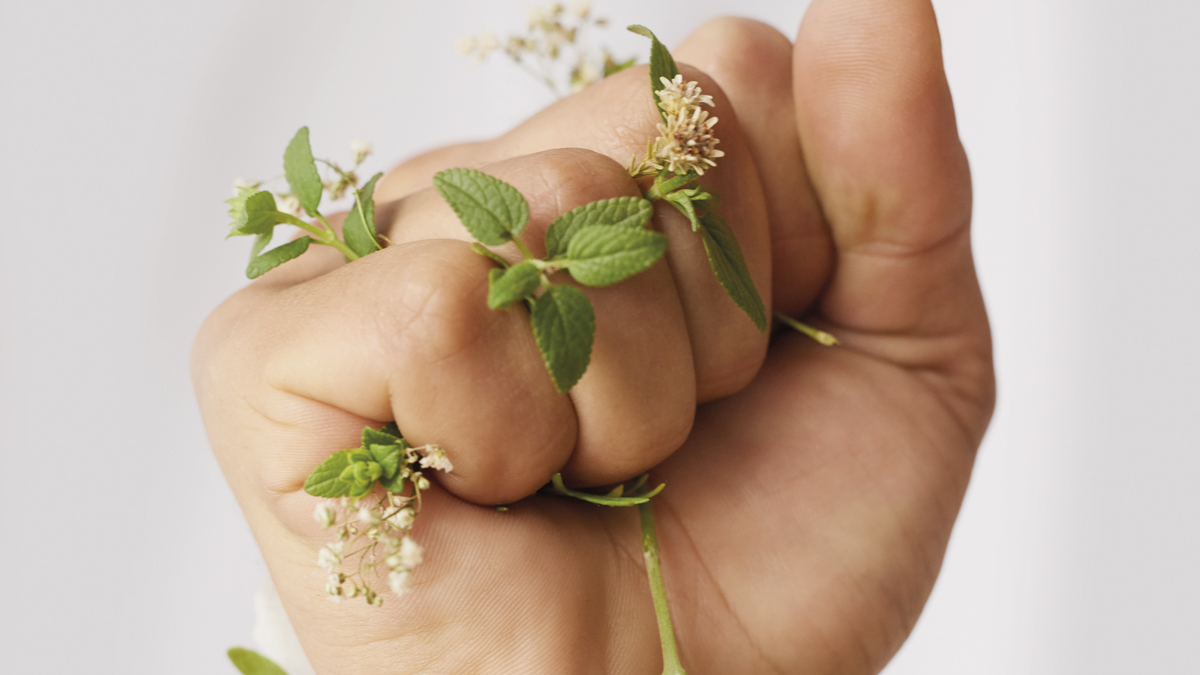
(810, 490)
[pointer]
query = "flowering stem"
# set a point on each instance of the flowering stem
(323, 236)
(666, 632)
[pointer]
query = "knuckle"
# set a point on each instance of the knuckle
(744, 50)
(566, 178)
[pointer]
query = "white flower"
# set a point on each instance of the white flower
(422, 483)
(334, 587)
(400, 581)
(402, 519)
(361, 149)
(487, 42)
(676, 95)
(330, 557)
(367, 516)
(465, 45)
(435, 458)
(325, 514)
(686, 143)
(411, 553)
(288, 203)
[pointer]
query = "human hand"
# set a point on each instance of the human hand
(805, 517)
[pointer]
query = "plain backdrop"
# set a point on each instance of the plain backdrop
(123, 123)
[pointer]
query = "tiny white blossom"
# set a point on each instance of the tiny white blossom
(288, 204)
(330, 557)
(422, 483)
(411, 553)
(402, 519)
(367, 516)
(435, 458)
(361, 149)
(677, 95)
(487, 42)
(465, 45)
(333, 587)
(400, 581)
(325, 514)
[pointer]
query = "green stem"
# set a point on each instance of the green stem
(522, 248)
(327, 237)
(659, 190)
(666, 632)
(818, 335)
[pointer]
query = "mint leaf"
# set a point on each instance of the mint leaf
(391, 428)
(261, 264)
(661, 63)
(683, 202)
(382, 436)
(326, 480)
(395, 484)
(601, 256)
(492, 210)
(564, 325)
(359, 227)
(725, 257)
(619, 212)
(515, 283)
(388, 458)
(301, 172)
(256, 215)
(253, 663)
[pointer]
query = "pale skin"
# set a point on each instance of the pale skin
(810, 491)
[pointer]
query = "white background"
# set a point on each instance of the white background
(123, 123)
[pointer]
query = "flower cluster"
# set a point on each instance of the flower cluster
(375, 529)
(554, 34)
(685, 140)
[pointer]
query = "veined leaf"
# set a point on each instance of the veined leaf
(382, 436)
(661, 63)
(359, 227)
(326, 480)
(492, 210)
(257, 215)
(252, 663)
(725, 257)
(564, 326)
(619, 212)
(683, 203)
(515, 283)
(301, 172)
(388, 458)
(261, 264)
(601, 256)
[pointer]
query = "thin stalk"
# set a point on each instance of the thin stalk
(818, 335)
(666, 632)
(326, 237)
(659, 190)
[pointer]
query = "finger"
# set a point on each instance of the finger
(752, 62)
(417, 173)
(878, 130)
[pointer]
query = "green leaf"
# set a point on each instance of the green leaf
(391, 428)
(619, 212)
(378, 437)
(326, 480)
(257, 215)
(661, 63)
(611, 67)
(388, 458)
(602, 256)
(515, 283)
(253, 663)
(727, 262)
(261, 264)
(492, 210)
(301, 172)
(564, 325)
(395, 484)
(604, 500)
(359, 227)
(683, 202)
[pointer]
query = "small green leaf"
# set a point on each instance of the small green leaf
(391, 428)
(261, 264)
(515, 283)
(301, 172)
(611, 67)
(661, 63)
(253, 663)
(257, 215)
(378, 437)
(564, 325)
(395, 484)
(725, 257)
(602, 256)
(619, 212)
(681, 201)
(492, 210)
(359, 227)
(388, 457)
(326, 480)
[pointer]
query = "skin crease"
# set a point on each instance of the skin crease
(806, 514)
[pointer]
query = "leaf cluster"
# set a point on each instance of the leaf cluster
(598, 244)
(356, 472)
